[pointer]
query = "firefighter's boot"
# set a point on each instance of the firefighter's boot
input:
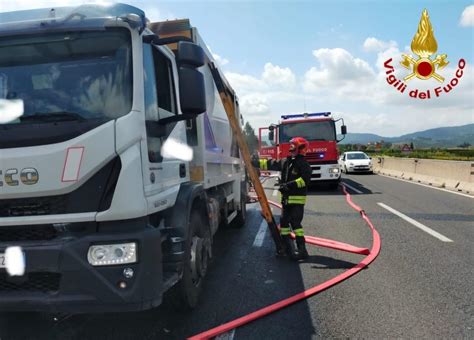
(289, 247)
(302, 252)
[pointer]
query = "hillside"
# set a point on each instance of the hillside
(440, 137)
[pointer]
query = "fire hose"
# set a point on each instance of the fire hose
(370, 257)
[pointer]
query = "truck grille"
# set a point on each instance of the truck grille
(33, 206)
(94, 195)
(34, 282)
(315, 158)
(28, 233)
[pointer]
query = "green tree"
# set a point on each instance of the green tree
(464, 145)
(250, 137)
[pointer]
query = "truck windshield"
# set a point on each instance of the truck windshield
(311, 131)
(65, 77)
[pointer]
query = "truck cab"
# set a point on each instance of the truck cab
(117, 163)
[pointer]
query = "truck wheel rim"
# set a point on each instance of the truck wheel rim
(199, 258)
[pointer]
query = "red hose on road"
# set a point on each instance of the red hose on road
(374, 251)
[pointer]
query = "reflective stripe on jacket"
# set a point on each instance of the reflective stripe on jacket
(296, 174)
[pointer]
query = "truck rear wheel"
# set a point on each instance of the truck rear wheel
(239, 220)
(197, 252)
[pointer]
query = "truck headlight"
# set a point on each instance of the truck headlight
(112, 254)
(333, 170)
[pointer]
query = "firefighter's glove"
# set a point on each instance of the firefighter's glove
(284, 188)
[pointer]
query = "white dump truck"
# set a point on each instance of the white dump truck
(117, 160)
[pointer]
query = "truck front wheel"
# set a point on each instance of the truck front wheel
(334, 185)
(196, 259)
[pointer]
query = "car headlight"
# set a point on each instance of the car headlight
(112, 254)
(351, 164)
(333, 170)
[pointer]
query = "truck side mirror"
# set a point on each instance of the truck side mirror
(192, 92)
(271, 135)
(190, 54)
(343, 129)
(191, 82)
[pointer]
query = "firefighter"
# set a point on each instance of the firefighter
(256, 162)
(295, 178)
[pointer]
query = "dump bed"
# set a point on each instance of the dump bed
(216, 155)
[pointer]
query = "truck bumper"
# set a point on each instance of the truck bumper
(59, 278)
(325, 172)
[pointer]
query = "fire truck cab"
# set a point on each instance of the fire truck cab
(320, 131)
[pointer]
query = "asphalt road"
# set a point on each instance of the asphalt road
(418, 287)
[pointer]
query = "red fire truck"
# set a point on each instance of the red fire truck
(319, 129)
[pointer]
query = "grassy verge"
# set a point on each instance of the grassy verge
(442, 154)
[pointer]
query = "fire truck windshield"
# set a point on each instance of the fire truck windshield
(311, 131)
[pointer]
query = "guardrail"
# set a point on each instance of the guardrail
(453, 175)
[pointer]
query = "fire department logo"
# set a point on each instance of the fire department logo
(425, 66)
(424, 45)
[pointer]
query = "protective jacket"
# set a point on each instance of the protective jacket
(296, 176)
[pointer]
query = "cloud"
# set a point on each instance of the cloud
(244, 83)
(255, 104)
(356, 90)
(220, 60)
(372, 44)
(467, 17)
(258, 96)
(338, 72)
(274, 75)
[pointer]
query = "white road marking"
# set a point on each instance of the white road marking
(275, 192)
(226, 336)
(352, 188)
(416, 223)
(260, 234)
(428, 186)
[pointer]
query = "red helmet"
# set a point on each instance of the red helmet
(299, 144)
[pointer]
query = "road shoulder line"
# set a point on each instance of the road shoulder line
(416, 223)
(428, 186)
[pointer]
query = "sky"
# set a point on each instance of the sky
(286, 57)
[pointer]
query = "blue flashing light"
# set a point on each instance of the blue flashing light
(321, 155)
(305, 115)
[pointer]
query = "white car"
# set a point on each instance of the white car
(355, 161)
